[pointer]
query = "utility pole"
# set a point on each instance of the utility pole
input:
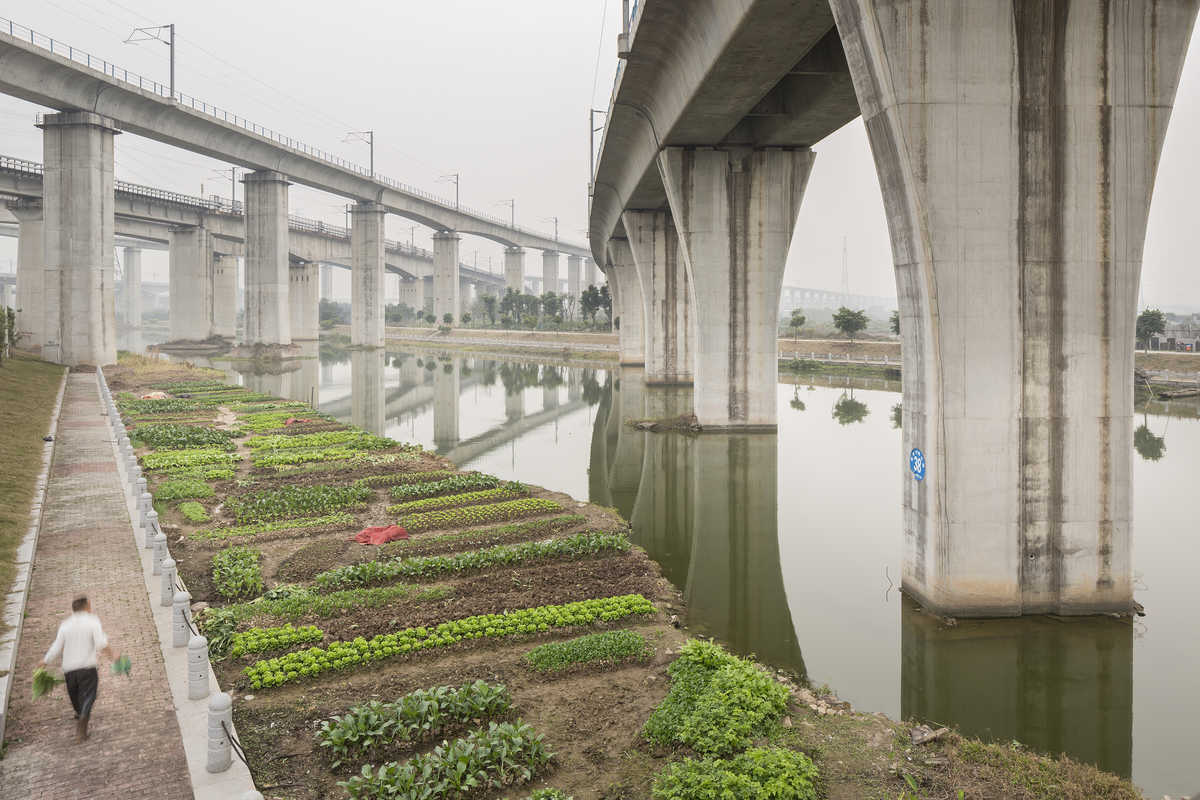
(555, 221)
(155, 34)
(452, 177)
(512, 206)
(369, 138)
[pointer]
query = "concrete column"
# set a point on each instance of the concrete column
(303, 304)
(1016, 145)
(79, 323)
(446, 298)
(549, 271)
(31, 268)
(132, 295)
(735, 211)
(367, 404)
(446, 395)
(593, 277)
(514, 269)
(267, 315)
(326, 282)
(628, 307)
(366, 274)
(190, 283)
(224, 299)
(666, 296)
(573, 290)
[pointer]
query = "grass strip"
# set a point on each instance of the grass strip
(342, 655)
(508, 491)
(254, 529)
(577, 546)
(606, 647)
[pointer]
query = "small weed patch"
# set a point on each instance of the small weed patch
(193, 511)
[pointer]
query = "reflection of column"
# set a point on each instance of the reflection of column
(410, 373)
(598, 489)
(1059, 688)
(445, 405)
(662, 515)
(514, 405)
(306, 380)
(278, 385)
(549, 397)
(574, 384)
(734, 588)
(366, 390)
(625, 469)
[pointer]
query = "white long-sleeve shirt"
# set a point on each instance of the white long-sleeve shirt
(79, 639)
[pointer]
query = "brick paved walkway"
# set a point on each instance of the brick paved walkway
(86, 545)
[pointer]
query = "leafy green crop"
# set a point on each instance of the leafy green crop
(301, 601)
(471, 481)
(173, 436)
(236, 572)
(503, 755)
(488, 536)
(581, 544)
(254, 529)
(133, 405)
(295, 501)
(414, 717)
(349, 655)
(265, 640)
(394, 478)
(209, 473)
(169, 460)
(607, 647)
(549, 794)
(182, 489)
(506, 492)
(757, 774)
(479, 515)
(193, 511)
(261, 421)
(358, 440)
(717, 703)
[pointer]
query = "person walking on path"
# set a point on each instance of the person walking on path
(79, 641)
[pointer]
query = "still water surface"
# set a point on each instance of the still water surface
(788, 545)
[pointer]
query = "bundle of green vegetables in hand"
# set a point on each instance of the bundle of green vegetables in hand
(44, 681)
(122, 667)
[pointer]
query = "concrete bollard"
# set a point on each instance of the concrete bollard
(180, 631)
(141, 486)
(197, 670)
(167, 587)
(220, 718)
(160, 553)
(145, 504)
(149, 532)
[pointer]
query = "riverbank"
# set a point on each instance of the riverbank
(259, 513)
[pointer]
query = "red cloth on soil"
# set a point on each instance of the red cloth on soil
(380, 534)
(294, 420)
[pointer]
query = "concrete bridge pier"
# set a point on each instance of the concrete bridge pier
(1017, 144)
(550, 271)
(628, 308)
(666, 296)
(592, 275)
(224, 295)
(446, 298)
(268, 319)
(367, 403)
(327, 280)
(514, 268)
(303, 303)
(446, 397)
(735, 211)
(131, 305)
(190, 283)
(573, 289)
(366, 274)
(79, 323)
(31, 268)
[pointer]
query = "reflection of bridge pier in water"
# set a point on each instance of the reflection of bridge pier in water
(446, 401)
(366, 390)
(305, 383)
(625, 454)
(662, 514)
(1058, 686)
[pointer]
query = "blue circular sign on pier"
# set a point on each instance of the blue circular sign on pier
(916, 462)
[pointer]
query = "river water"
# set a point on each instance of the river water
(787, 545)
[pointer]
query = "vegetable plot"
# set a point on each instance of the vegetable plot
(507, 491)
(478, 515)
(173, 436)
(295, 501)
(265, 640)
(348, 655)
(757, 774)
(471, 481)
(254, 529)
(608, 647)
(236, 573)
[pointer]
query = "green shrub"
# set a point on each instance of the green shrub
(757, 774)
(301, 601)
(193, 511)
(295, 501)
(182, 489)
(173, 436)
(503, 755)
(581, 544)
(266, 640)
(236, 572)
(395, 478)
(506, 492)
(414, 717)
(479, 515)
(607, 647)
(471, 481)
(349, 655)
(717, 703)
(254, 529)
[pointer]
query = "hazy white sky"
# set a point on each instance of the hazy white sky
(498, 92)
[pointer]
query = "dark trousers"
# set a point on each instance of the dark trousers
(81, 686)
